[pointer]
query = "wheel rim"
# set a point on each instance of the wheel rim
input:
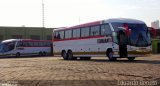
(110, 55)
(17, 54)
(64, 55)
(70, 55)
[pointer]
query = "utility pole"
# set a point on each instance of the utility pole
(43, 13)
(43, 20)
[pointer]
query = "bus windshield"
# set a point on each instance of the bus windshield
(7, 46)
(1, 47)
(139, 35)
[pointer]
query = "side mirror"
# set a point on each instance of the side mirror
(153, 31)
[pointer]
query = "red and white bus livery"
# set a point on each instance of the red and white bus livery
(25, 47)
(114, 38)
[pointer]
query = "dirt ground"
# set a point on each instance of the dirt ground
(54, 71)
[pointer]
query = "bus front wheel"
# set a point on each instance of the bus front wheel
(131, 58)
(110, 55)
(18, 54)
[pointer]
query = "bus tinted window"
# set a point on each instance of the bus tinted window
(116, 25)
(85, 32)
(45, 44)
(8, 46)
(19, 44)
(76, 33)
(95, 30)
(59, 35)
(35, 44)
(25, 44)
(105, 30)
(30, 44)
(68, 34)
(41, 44)
(55, 35)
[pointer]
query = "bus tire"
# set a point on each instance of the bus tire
(88, 58)
(82, 58)
(44, 54)
(110, 55)
(40, 54)
(85, 58)
(131, 58)
(18, 54)
(70, 55)
(64, 55)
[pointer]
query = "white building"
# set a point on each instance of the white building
(155, 24)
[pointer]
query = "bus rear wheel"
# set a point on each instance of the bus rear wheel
(64, 55)
(70, 55)
(40, 54)
(131, 58)
(44, 54)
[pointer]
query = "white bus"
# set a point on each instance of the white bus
(24, 47)
(114, 38)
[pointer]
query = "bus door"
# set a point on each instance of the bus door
(122, 41)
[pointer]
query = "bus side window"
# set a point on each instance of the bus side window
(85, 31)
(24, 44)
(58, 36)
(55, 35)
(61, 35)
(40, 44)
(105, 30)
(76, 33)
(45, 44)
(20, 44)
(35, 44)
(30, 44)
(68, 34)
(95, 30)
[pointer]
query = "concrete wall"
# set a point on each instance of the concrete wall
(155, 47)
(25, 33)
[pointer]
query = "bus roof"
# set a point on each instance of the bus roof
(123, 20)
(117, 20)
(10, 40)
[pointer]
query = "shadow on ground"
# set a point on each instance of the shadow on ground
(121, 61)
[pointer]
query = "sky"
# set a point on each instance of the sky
(65, 13)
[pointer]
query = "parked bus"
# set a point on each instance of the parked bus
(114, 38)
(25, 47)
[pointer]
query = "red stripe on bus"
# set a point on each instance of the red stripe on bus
(29, 47)
(89, 37)
(36, 40)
